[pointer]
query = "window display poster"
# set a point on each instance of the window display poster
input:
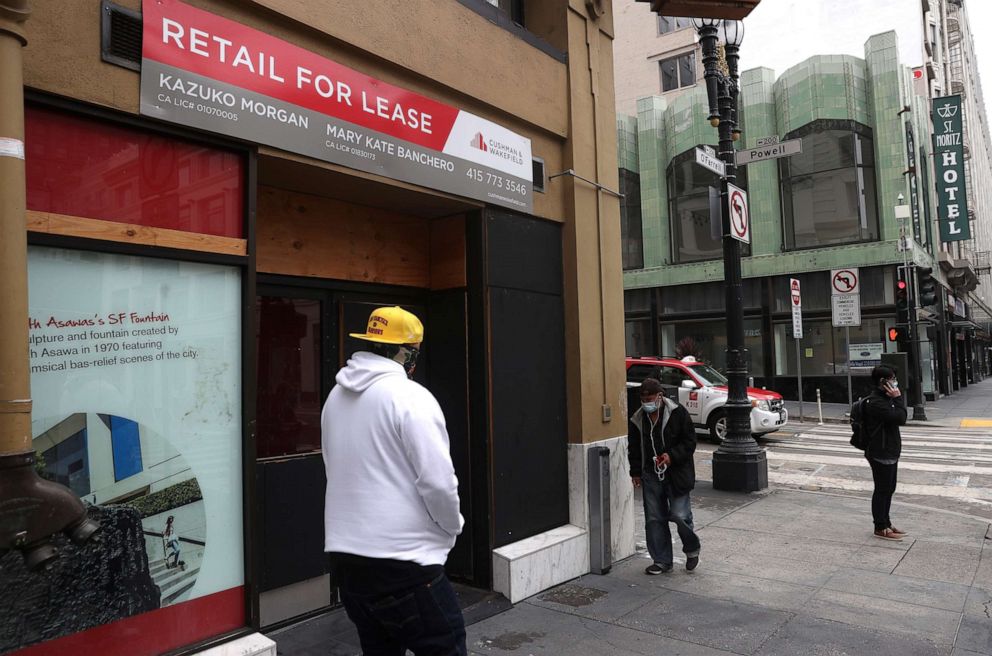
(136, 383)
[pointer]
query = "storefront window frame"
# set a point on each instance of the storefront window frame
(245, 264)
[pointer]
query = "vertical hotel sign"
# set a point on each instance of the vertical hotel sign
(204, 71)
(952, 197)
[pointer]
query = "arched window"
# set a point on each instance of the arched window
(828, 190)
(694, 236)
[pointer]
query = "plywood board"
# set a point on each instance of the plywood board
(448, 252)
(77, 226)
(305, 235)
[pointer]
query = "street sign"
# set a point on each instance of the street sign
(797, 308)
(740, 216)
(766, 141)
(710, 162)
(845, 281)
(845, 297)
(771, 151)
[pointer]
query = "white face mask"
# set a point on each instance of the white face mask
(650, 407)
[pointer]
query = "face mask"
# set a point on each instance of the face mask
(650, 407)
(409, 361)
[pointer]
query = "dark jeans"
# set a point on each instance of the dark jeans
(661, 507)
(885, 487)
(425, 619)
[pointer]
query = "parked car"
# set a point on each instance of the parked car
(703, 391)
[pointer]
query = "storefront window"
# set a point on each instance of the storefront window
(707, 297)
(695, 236)
(136, 382)
(825, 351)
(707, 342)
(828, 190)
(638, 337)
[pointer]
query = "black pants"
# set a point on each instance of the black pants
(885, 487)
(424, 618)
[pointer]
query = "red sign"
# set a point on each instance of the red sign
(206, 71)
(223, 50)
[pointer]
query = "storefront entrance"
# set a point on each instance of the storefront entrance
(302, 341)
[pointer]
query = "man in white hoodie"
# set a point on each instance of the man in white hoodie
(391, 507)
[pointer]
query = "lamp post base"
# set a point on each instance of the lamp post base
(919, 412)
(740, 472)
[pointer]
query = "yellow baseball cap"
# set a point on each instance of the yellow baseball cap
(392, 325)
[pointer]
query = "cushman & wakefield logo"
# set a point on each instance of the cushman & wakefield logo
(497, 148)
(478, 141)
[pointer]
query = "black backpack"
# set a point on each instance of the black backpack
(859, 431)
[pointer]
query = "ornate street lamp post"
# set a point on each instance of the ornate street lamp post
(739, 464)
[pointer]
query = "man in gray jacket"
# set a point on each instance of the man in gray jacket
(661, 441)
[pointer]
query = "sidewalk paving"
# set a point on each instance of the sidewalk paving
(972, 402)
(781, 573)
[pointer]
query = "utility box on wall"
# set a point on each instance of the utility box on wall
(600, 531)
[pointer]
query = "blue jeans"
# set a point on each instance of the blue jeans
(425, 619)
(661, 507)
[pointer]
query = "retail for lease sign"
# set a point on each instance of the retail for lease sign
(948, 143)
(208, 72)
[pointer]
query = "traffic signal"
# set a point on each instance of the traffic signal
(927, 285)
(897, 334)
(902, 296)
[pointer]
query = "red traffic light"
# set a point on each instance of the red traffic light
(901, 285)
(893, 334)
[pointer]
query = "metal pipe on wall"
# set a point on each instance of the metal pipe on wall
(15, 383)
(33, 509)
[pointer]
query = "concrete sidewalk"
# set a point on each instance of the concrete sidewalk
(781, 572)
(972, 402)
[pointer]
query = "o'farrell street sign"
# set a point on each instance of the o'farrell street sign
(208, 72)
(770, 151)
(709, 162)
(948, 160)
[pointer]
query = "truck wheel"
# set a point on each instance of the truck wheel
(718, 425)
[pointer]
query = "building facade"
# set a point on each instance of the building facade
(213, 195)
(864, 126)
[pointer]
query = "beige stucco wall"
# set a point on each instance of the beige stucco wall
(444, 51)
(637, 51)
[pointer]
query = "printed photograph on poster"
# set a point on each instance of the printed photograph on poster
(136, 387)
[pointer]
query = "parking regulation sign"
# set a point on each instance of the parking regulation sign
(740, 217)
(845, 297)
(796, 302)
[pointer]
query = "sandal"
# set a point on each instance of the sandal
(888, 534)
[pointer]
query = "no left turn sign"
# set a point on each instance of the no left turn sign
(844, 281)
(740, 217)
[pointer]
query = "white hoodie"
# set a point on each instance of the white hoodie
(391, 488)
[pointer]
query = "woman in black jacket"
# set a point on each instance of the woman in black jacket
(884, 412)
(660, 446)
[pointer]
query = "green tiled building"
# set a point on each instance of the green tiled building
(865, 132)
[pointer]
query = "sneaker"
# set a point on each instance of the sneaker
(654, 569)
(888, 534)
(691, 562)
(897, 531)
